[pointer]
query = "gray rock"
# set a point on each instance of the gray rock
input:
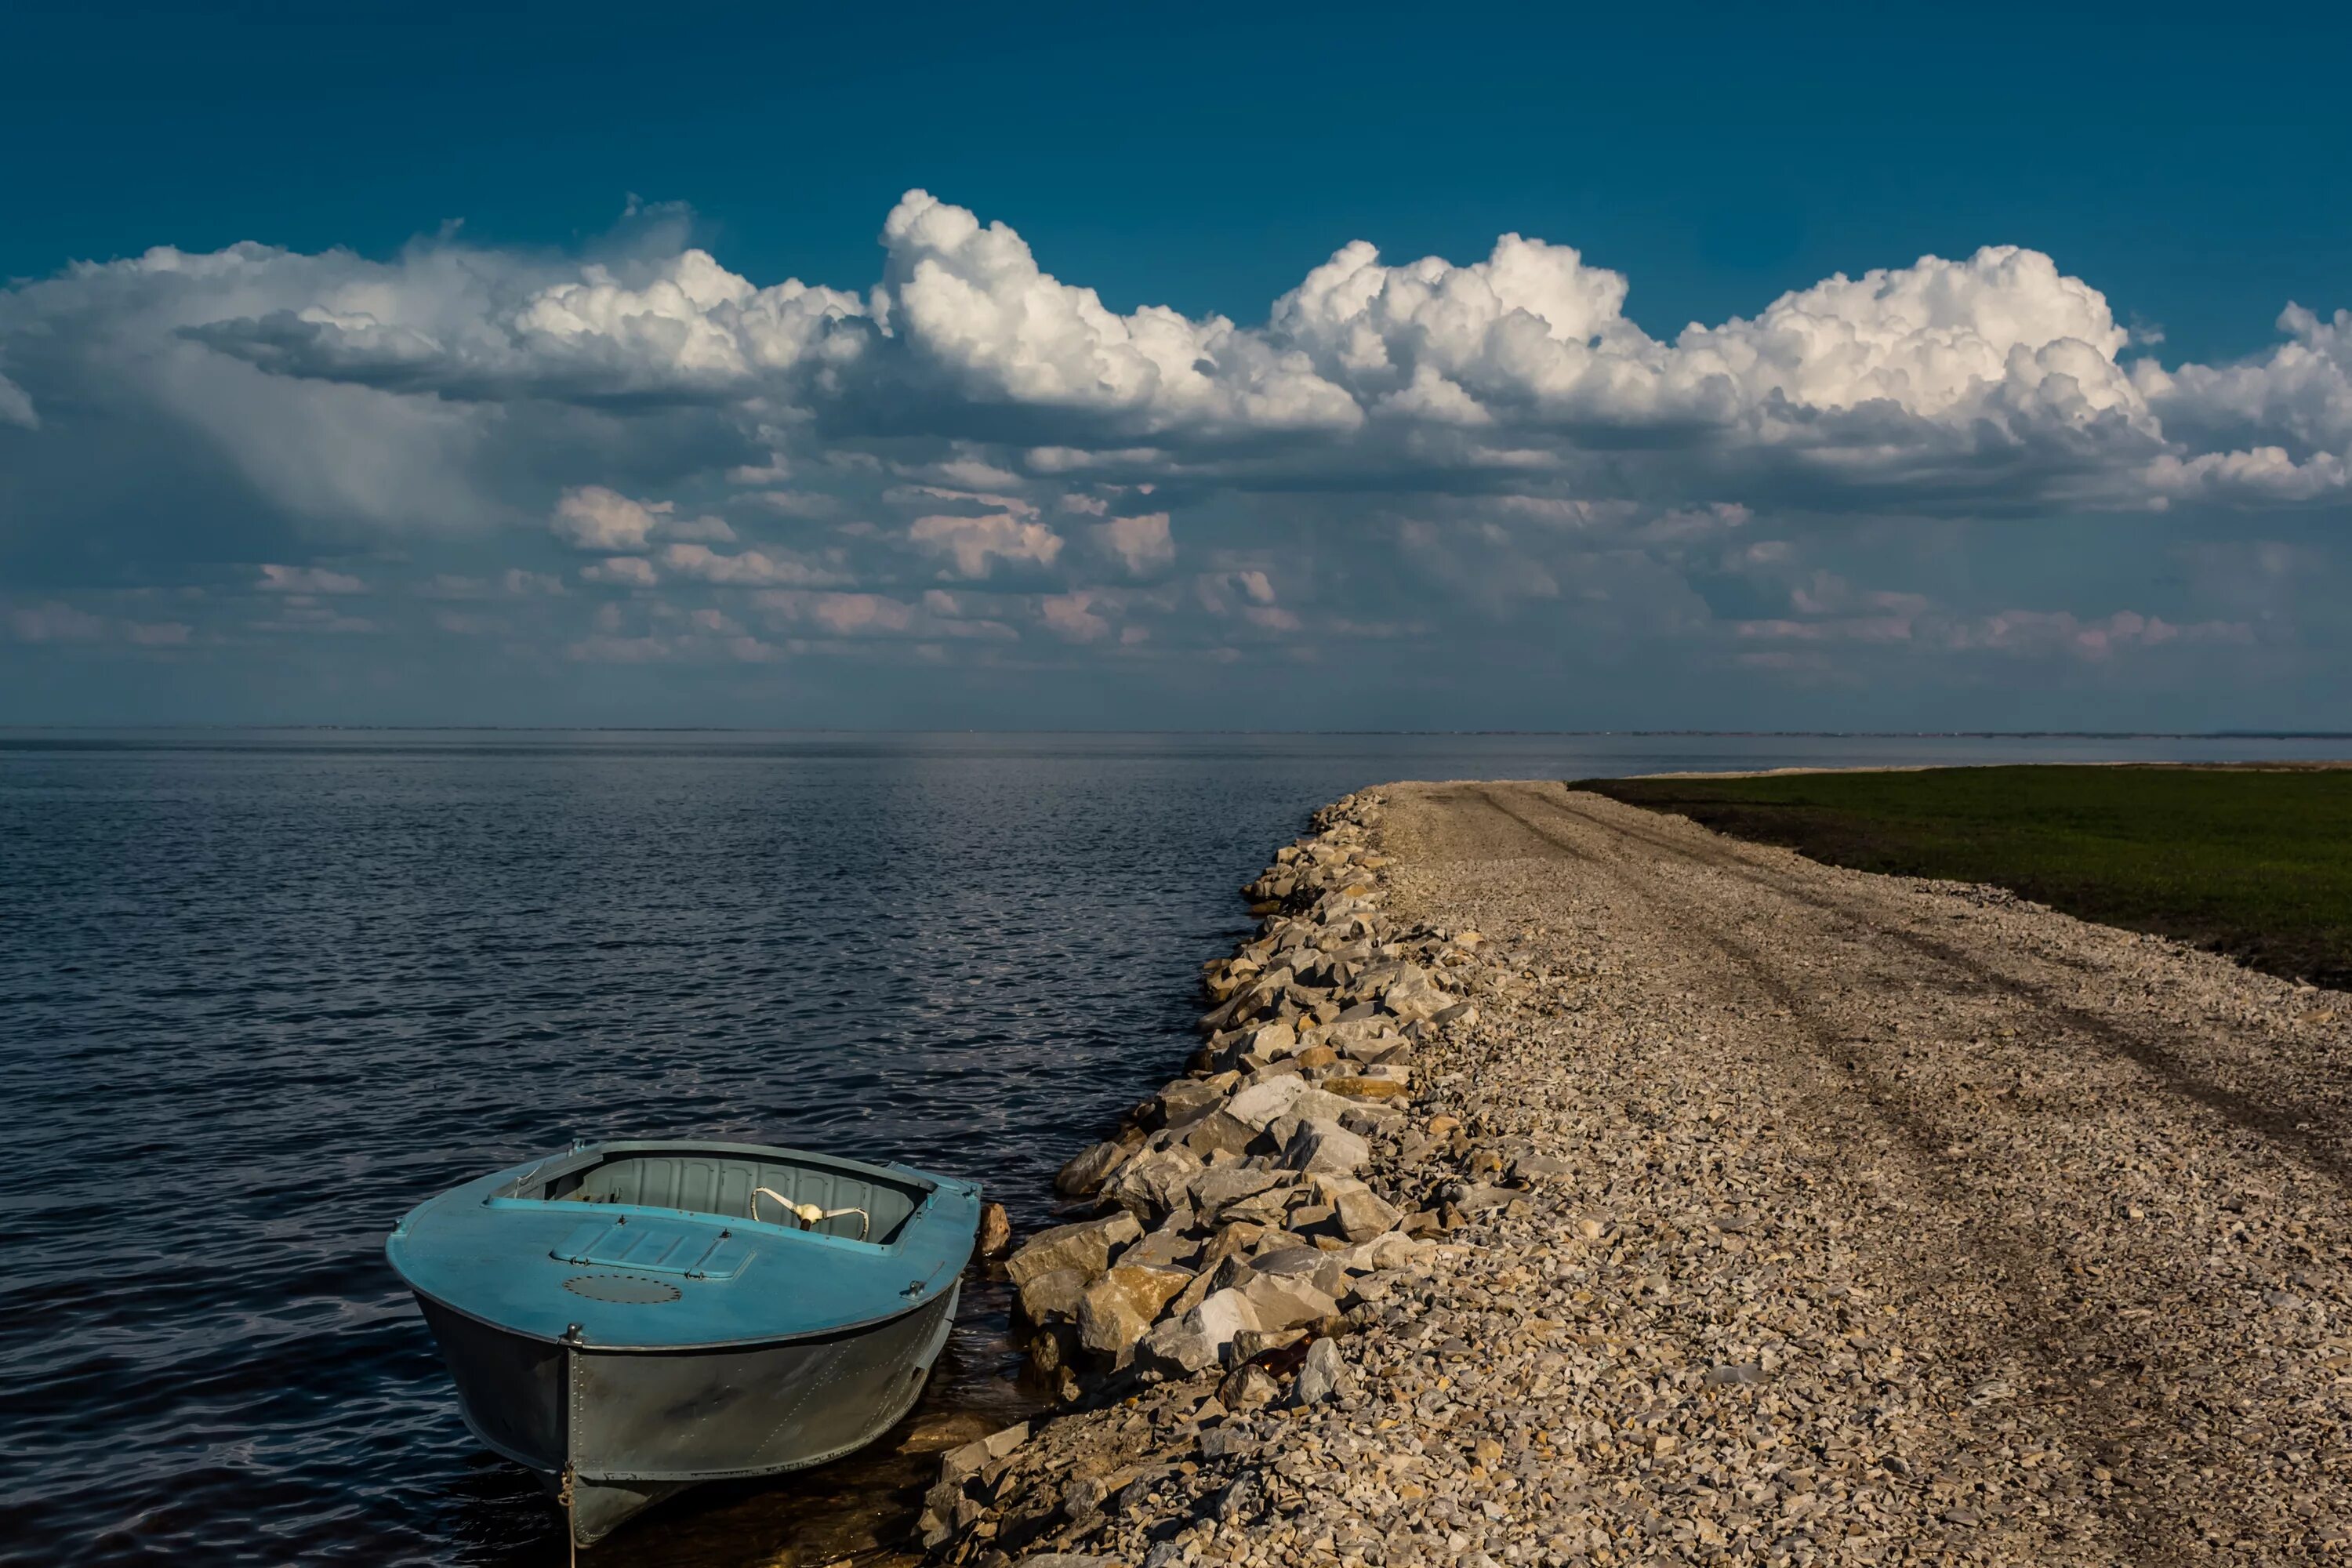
(1323, 1377)
(1250, 1344)
(1279, 1302)
(1365, 1214)
(1176, 1241)
(1185, 1101)
(1219, 1132)
(1225, 1441)
(1470, 1198)
(1326, 1146)
(1246, 1387)
(1213, 1189)
(1413, 995)
(1290, 1262)
(1085, 1175)
(1222, 1314)
(1150, 1185)
(1263, 1103)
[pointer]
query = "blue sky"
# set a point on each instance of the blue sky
(388, 462)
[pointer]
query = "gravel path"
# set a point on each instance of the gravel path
(1783, 1214)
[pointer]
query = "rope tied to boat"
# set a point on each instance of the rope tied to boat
(809, 1214)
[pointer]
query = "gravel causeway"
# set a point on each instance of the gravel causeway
(1737, 1209)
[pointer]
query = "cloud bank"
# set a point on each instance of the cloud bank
(971, 441)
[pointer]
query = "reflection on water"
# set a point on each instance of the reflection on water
(262, 992)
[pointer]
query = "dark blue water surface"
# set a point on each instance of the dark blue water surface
(261, 991)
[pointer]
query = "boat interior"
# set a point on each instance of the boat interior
(812, 1194)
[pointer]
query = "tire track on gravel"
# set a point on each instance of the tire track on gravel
(2294, 1127)
(2044, 1328)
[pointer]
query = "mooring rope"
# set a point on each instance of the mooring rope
(810, 1215)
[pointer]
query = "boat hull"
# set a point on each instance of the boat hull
(611, 1432)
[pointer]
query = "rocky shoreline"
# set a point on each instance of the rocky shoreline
(1713, 1205)
(1264, 1220)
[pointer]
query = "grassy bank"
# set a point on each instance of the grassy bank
(2256, 863)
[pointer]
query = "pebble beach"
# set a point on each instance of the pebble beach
(1559, 1183)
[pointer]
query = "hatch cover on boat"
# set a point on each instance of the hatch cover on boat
(696, 1251)
(628, 1288)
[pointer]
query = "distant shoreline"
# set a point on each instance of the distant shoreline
(2282, 765)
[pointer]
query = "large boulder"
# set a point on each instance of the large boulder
(1410, 995)
(1177, 1240)
(1284, 1302)
(1218, 1132)
(1270, 1042)
(1259, 998)
(1361, 1038)
(1150, 1185)
(1085, 1175)
(1186, 1100)
(1053, 1294)
(1321, 1146)
(1211, 1190)
(1087, 1247)
(1118, 1307)
(995, 1235)
(1235, 1238)
(1222, 1314)
(1176, 1347)
(1364, 1215)
(1262, 1104)
(1196, 1341)
(1267, 1209)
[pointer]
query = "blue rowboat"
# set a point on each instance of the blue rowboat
(630, 1318)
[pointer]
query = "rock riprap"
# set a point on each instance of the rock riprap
(1712, 1205)
(1252, 1214)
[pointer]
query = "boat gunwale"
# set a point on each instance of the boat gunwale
(589, 1156)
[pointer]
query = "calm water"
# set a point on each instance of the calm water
(261, 991)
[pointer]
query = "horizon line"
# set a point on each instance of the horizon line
(2279, 734)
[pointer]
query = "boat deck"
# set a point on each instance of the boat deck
(645, 1246)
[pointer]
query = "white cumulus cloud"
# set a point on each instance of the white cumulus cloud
(749, 568)
(1943, 384)
(594, 518)
(623, 570)
(975, 544)
(1141, 544)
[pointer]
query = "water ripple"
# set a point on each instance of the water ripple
(261, 993)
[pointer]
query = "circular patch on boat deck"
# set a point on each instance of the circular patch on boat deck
(635, 1288)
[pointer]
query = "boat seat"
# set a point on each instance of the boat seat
(723, 1184)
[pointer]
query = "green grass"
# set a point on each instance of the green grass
(2255, 863)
